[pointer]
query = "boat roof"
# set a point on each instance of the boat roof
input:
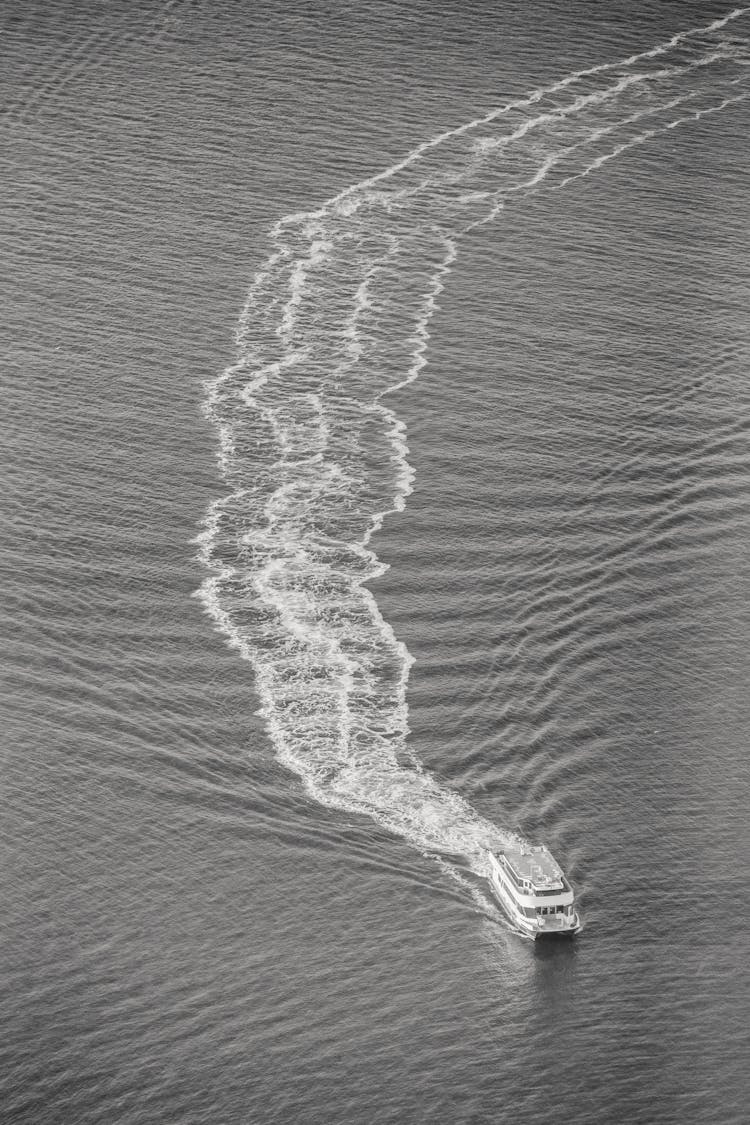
(535, 864)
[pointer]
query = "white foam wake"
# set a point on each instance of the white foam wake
(337, 317)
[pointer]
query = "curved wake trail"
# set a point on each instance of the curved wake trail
(336, 318)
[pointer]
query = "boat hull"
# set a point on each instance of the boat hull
(553, 926)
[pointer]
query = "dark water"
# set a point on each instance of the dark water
(215, 915)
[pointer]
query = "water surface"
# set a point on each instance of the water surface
(193, 930)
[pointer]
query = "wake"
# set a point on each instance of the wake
(336, 318)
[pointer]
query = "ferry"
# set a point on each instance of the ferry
(533, 890)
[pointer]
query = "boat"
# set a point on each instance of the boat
(533, 891)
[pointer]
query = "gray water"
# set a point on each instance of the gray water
(375, 486)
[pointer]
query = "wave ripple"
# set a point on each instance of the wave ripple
(336, 318)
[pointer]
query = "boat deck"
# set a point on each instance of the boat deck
(537, 865)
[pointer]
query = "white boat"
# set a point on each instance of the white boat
(533, 890)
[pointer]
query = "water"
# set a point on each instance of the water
(475, 536)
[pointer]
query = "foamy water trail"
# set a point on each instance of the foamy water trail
(314, 459)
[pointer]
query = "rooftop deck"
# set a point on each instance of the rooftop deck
(535, 864)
